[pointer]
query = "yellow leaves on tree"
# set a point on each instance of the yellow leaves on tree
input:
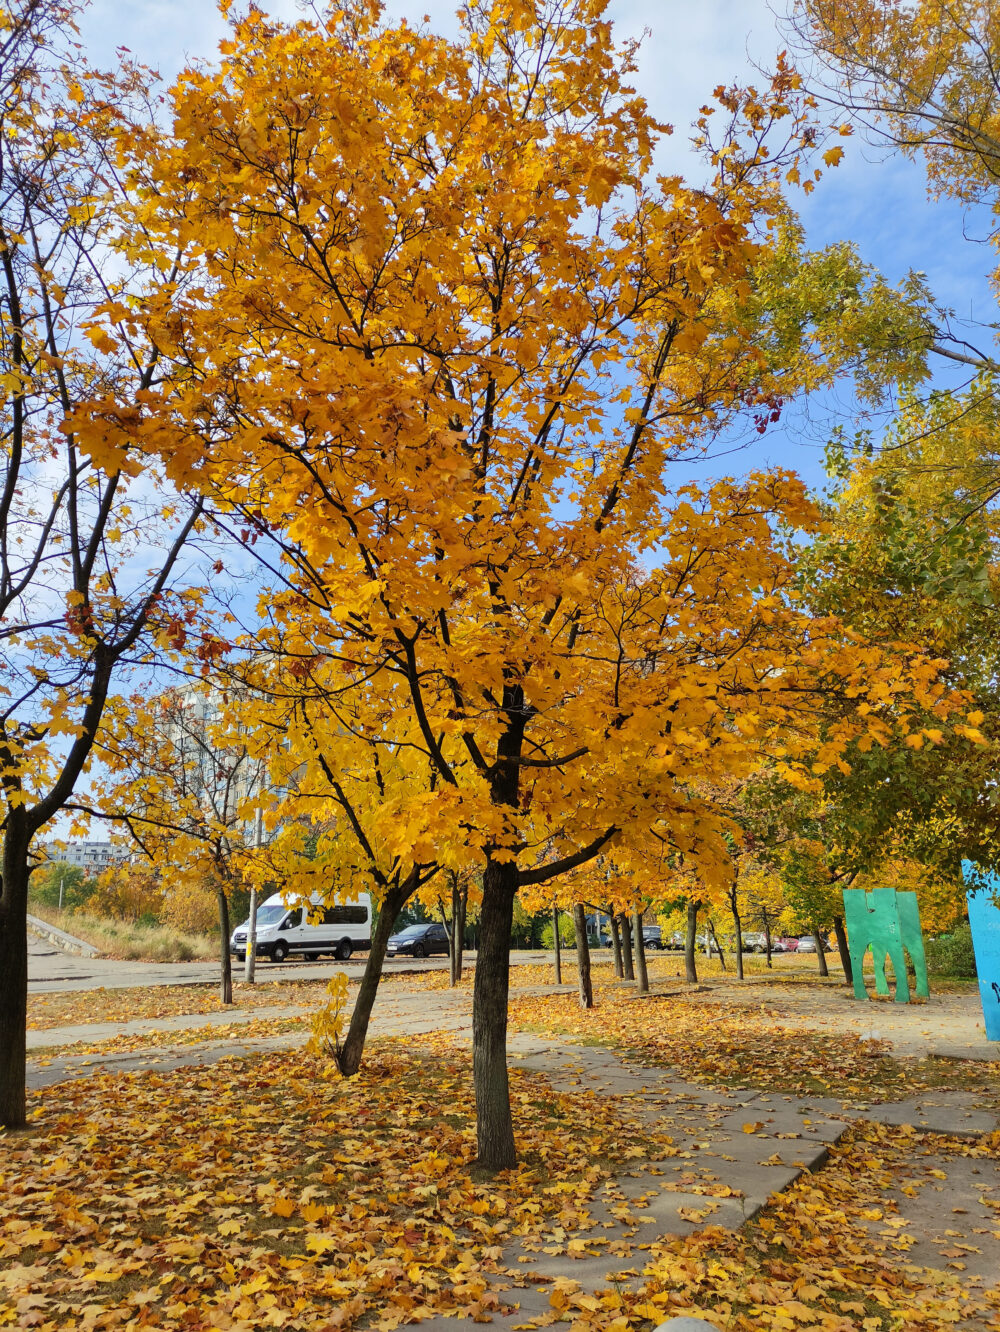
(442, 333)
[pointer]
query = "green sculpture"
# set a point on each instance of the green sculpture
(887, 922)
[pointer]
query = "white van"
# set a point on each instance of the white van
(307, 931)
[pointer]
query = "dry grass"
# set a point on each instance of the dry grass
(122, 939)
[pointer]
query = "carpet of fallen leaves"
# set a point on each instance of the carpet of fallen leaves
(217, 1033)
(268, 1192)
(709, 1043)
(78, 1007)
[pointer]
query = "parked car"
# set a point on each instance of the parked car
(755, 942)
(808, 945)
(785, 945)
(652, 936)
(418, 941)
(307, 931)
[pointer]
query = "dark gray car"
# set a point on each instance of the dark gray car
(418, 941)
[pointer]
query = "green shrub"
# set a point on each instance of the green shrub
(46, 882)
(567, 932)
(951, 954)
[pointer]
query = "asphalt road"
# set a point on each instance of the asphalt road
(50, 968)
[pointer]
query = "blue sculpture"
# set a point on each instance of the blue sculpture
(983, 896)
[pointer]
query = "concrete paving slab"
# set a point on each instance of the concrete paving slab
(951, 1206)
(938, 1113)
(769, 1119)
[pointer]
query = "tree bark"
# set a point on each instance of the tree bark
(250, 956)
(357, 1031)
(13, 971)
(494, 1125)
(463, 912)
(843, 950)
(690, 940)
(640, 955)
(718, 946)
(583, 956)
(767, 936)
(454, 929)
(556, 943)
(459, 901)
(824, 970)
(626, 929)
(738, 926)
(616, 944)
(226, 973)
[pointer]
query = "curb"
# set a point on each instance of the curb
(61, 939)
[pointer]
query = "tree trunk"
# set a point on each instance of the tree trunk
(456, 940)
(453, 928)
(626, 929)
(616, 944)
(640, 955)
(843, 950)
(494, 1126)
(583, 956)
(556, 942)
(463, 911)
(738, 926)
(354, 1043)
(718, 946)
(13, 971)
(690, 940)
(824, 970)
(226, 973)
(767, 936)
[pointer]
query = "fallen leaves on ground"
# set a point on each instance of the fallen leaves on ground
(216, 1033)
(268, 1192)
(708, 1042)
(66, 1008)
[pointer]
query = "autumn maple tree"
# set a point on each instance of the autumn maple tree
(436, 329)
(91, 567)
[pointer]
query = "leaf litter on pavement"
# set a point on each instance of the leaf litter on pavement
(65, 1008)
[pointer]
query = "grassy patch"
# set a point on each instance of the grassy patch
(131, 942)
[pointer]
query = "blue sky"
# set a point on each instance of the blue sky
(875, 198)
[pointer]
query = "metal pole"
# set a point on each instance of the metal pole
(251, 956)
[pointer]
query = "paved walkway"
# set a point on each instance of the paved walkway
(51, 969)
(397, 1013)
